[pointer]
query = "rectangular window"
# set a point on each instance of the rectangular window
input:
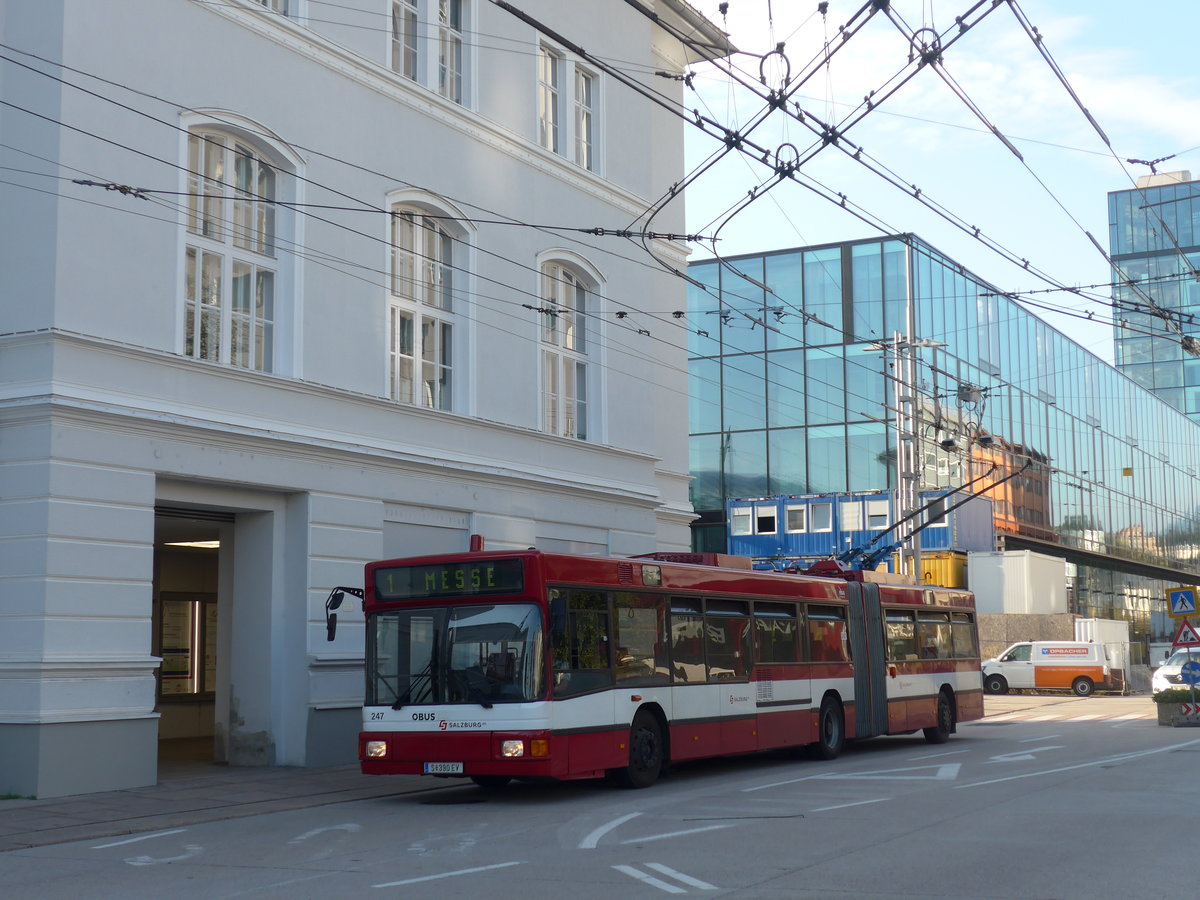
(827, 637)
(401, 355)
(564, 370)
(641, 639)
(741, 521)
(450, 50)
(934, 637)
(877, 515)
(279, 6)
(202, 297)
(850, 512)
(687, 642)
(822, 517)
(963, 630)
(776, 629)
(585, 84)
(901, 635)
(727, 639)
(797, 519)
(764, 519)
(404, 38)
(421, 279)
(252, 317)
(549, 75)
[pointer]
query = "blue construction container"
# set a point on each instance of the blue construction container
(779, 531)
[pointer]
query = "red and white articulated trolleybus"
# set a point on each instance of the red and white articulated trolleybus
(501, 665)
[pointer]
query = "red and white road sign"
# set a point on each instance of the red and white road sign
(1189, 709)
(1186, 636)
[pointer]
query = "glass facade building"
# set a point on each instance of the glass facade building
(1154, 236)
(793, 392)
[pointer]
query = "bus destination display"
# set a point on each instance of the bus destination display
(451, 579)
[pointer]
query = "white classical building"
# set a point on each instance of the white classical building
(297, 281)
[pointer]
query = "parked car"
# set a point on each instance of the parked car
(1167, 675)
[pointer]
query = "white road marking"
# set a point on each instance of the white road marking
(679, 876)
(349, 826)
(938, 755)
(140, 837)
(192, 850)
(447, 874)
(590, 842)
(1028, 754)
(671, 834)
(1097, 762)
(1039, 738)
(1044, 718)
(944, 772)
(1088, 717)
(847, 805)
(650, 880)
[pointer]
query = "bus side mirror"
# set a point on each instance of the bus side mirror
(334, 601)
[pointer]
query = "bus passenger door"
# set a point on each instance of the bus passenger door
(870, 666)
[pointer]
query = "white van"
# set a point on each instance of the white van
(1077, 665)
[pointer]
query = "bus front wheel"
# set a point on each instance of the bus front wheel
(831, 730)
(646, 754)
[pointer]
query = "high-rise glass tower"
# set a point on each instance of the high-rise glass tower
(1154, 237)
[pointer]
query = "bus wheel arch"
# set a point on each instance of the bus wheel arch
(831, 728)
(946, 718)
(649, 749)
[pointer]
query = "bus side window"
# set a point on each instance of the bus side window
(965, 645)
(687, 642)
(581, 650)
(827, 637)
(901, 635)
(776, 631)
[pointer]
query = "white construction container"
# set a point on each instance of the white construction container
(1018, 581)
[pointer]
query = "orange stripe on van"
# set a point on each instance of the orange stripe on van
(1064, 676)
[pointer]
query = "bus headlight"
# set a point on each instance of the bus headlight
(512, 748)
(375, 749)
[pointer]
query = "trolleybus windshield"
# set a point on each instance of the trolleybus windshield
(482, 654)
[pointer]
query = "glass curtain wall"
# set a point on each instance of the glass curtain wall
(790, 394)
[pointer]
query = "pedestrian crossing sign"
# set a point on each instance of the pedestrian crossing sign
(1186, 636)
(1181, 602)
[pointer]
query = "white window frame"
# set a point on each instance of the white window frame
(405, 51)
(587, 85)
(427, 44)
(764, 511)
(233, 277)
(826, 510)
(850, 515)
(567, 126)
(426, 261)
(451, 23)
(570, 345)
(877, 509)
(741, 521)
(801, 512)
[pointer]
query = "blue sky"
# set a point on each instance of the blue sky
(1131, 68)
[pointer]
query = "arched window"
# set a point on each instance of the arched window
(567, 300)
(231, 267)
(422, 314)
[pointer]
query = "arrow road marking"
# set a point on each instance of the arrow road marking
(1014, 757)
(192, 850)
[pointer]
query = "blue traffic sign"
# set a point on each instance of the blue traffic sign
(1190, 672)
(1181, 602)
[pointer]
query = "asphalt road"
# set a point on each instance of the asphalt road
(1049, 797)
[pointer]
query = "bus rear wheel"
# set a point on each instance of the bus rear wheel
(940, 733)
(646, 755)
(1083, 687)
(831, 731)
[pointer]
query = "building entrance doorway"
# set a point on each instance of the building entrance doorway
(186, 612)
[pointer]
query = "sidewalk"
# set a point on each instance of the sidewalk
(190, 795)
